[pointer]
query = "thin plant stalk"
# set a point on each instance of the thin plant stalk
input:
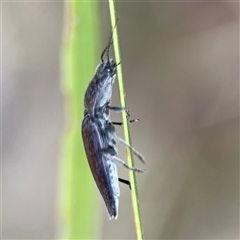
(122, 93)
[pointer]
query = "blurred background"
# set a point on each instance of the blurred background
(181, 69)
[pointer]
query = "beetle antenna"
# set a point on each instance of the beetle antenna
(110, 42)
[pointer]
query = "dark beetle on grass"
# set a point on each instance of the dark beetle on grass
(98, 134)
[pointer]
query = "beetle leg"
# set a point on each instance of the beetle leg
(130, 121)
(125, 182)
(120, 161)
(137, 154)
(116, 108)
(117, 123)
(121, 109)
(109, 150)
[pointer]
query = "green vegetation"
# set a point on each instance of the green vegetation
(79, 208)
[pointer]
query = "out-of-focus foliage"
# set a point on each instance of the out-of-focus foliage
(80, 54)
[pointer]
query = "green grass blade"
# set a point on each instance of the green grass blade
(80, 55)
(122, 93)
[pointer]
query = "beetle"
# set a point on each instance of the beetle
(98, 134)
(100, 145)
